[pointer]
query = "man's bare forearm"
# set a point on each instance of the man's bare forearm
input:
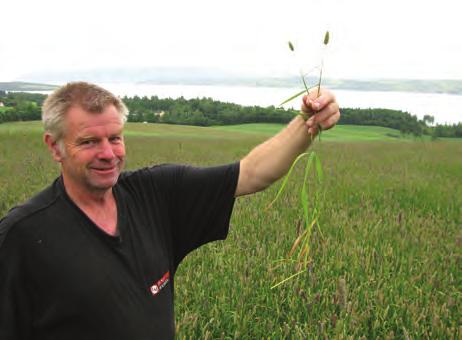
(271, 160)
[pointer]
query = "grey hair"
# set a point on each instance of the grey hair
(91, 98)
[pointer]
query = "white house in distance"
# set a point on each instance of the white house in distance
(1, 104)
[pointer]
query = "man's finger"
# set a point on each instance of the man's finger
(330, 122)
(323, 115)
(306, 106)
(324, 99)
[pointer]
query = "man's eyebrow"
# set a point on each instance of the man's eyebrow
(85, 137)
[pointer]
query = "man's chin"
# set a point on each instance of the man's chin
(103, 184)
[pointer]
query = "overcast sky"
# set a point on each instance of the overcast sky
(369, 39)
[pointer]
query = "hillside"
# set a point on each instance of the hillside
(25, 86)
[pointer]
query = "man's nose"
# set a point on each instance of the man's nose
(105, 150)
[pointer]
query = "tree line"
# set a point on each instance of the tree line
(16, 106)
(20, 106)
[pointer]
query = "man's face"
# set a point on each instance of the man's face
(94, 149)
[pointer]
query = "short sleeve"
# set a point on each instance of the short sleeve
(199, 202)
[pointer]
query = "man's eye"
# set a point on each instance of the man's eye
(115, 139)
(87, 142)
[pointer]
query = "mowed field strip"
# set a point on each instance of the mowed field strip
(389, 265)
(351, 133)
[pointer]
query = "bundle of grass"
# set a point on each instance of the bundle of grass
(300, 251)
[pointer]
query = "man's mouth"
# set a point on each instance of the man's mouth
(104, 169)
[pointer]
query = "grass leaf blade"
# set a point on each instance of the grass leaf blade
(293, 97)
(287, 279)
(319, 172)
(286, 178)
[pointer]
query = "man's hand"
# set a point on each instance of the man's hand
(271, 160)
(323, 111)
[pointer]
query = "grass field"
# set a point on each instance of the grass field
(342, 133)
(389, 265)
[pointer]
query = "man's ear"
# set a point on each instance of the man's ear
(53, 146)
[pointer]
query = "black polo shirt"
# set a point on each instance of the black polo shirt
(62, 277)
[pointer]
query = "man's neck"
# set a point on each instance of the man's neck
(99, 206)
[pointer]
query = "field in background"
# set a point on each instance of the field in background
(342, 133)
(391, 219)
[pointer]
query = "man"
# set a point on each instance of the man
(94, 255)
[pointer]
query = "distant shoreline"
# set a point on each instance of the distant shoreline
(437, 86)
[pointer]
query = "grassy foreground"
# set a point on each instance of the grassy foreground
(389, 264)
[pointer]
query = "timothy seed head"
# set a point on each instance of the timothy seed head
(291, 46)
(342, 292)
(326, 38)
(333, 320)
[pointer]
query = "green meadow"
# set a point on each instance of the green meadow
(388, 262)
(343, 133)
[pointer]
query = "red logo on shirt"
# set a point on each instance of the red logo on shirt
(157, 287)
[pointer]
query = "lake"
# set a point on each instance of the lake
(444, 107)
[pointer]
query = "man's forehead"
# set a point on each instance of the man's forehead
(80, 119)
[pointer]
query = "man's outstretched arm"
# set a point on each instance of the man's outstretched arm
(271, 160)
